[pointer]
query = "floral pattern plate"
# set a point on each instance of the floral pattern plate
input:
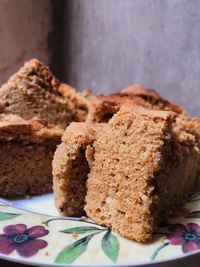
(32, 233)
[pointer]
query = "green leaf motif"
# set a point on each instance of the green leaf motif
(7, 216)
(80, 230)
(46, 223)
(157, 250)
(110, 246)
(70, 253)
(194, 214)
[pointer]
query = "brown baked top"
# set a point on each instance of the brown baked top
(152, 97)
(84, 132)
(35, 73)
(139, 90)
(151, 113)
(118, 99)
(14, 128)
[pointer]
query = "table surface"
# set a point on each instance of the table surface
(11, 264)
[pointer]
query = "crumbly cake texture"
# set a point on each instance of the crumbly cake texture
(26, 153)
(102, 108)
(70, 168)
(143, 165)
(79, 102)
(35, 91)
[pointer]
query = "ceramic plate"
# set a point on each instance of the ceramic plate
(31, 232)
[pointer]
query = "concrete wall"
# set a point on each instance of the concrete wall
(25, 32)
(110, 44)
(106, 45)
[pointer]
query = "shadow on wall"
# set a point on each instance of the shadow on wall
(106, 45)
(25, 32)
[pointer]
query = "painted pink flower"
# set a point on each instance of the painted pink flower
(188, 236)
(22, 239)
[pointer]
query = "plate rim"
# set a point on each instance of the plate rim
(29, 262)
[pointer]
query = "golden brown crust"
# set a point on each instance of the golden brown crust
(35, 71)
(164, 104)
(13, 127)
(140, 90)
(85, 133)
(151, 113)
(118, 99)
(103, 107)
(152, 97)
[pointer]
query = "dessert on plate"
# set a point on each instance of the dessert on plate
(142, 166)
(127, 159)
(35, 108)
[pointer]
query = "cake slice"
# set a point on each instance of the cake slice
(143, 166)
(35, 108)
(35, 91)
(103, 107)
(70, 167)
(26, 153)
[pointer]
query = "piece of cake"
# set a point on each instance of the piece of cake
(35, 91)
(143, 166)
(26, 153)
(70, 167)
(103, 107)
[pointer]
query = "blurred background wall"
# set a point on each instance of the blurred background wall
(25, 32)
(106, 45)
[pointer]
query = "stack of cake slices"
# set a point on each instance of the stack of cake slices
(126, 160)
(35, 109)
(130, 165)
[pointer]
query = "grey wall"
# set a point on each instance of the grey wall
(25, 32)
(110, 44)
